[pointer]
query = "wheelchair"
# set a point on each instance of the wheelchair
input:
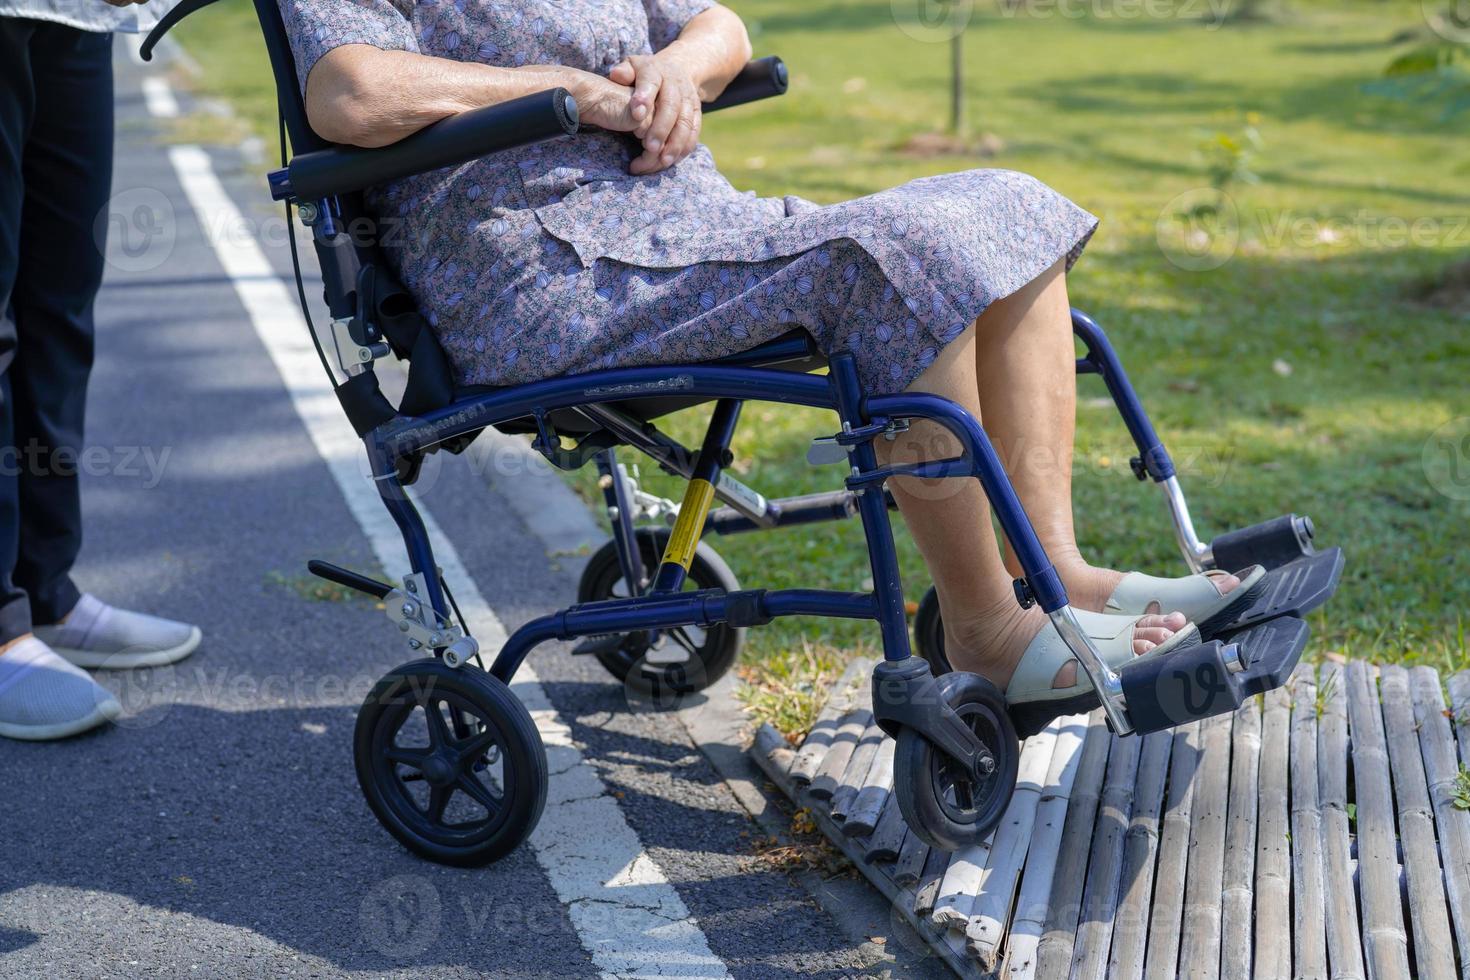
(468, 784)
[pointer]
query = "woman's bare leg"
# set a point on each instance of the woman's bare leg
(1026, 375)
(986, 631)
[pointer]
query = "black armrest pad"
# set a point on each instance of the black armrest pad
(457, 139)
(760, 79)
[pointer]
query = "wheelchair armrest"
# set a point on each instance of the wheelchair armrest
(476, 133)
(457, 139)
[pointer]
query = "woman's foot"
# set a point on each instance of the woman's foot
(1092, 588)
(993, 642)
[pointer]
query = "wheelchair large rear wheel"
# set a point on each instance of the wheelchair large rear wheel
(450, 762)
(711, 651)
(948, 806)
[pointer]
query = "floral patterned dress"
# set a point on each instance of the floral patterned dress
(553, 259)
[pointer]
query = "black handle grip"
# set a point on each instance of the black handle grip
(466, 136)
(760, 79)
(167, 21)
(348, 578)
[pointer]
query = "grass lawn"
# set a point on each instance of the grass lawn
(1305, 373)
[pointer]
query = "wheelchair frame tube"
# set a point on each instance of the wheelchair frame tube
(698, 495)
(620, 506)
(1103, 361)
(840, 390)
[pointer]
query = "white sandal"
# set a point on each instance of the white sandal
(1034, 702)
(1196, 596)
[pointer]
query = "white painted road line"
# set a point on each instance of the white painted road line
(159, 98)
(628, 916)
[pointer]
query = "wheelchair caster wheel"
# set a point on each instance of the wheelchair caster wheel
(929, 634)
(450, 762)
(711, 651)
(947, 806)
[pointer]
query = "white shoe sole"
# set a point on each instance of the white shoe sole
(125, 660)
(104, 712)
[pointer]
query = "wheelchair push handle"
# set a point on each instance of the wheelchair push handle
(759, 79)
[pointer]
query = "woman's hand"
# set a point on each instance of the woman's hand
(664, 106)
(602, 103)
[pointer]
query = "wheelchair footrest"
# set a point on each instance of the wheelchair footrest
(1293, 589)
(1205, 680)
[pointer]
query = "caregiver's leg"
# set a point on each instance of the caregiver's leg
(986, 631)
(1026, 374)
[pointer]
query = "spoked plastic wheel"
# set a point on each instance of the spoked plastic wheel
(642, 659)
(946, 805)
(450, 762)
(929, 634)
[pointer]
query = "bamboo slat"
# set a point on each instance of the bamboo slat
(1054, 951)
(1459, 688)
(992, 904)
(834, 763)
(1385, 941)
(1452, 825)
(1273, 849)
(1100, 894)
(961, 882)
(911, 857)
(1309, 939)
(1140, 849)
(806, 760)
(1161, 960)
(1199, 941)
(1434, 950)
(1344, 943)
(1238, 898)
(856, 773)
(1033, 897)
(872, 796)
(888, 836)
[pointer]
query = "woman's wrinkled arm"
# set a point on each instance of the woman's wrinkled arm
(715, 46)
(364, 96)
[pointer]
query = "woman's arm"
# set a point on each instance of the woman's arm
(365, 96)
(669, 85)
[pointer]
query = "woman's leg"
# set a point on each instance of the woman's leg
(1026, 375)
(986, 630)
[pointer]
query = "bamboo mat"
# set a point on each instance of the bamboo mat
(1313, 833)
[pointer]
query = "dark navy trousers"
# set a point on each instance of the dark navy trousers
(55, 179)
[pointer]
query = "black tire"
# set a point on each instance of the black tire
(484, 733)
(929, 634)
(946, 806)
(715, 648)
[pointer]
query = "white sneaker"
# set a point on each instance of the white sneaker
(44, 697)
(98, 635)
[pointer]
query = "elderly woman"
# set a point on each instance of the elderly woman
(624, 245)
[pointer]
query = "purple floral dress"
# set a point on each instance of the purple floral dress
(555, 260)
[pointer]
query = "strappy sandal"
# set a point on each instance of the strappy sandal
(1032, 700)
(1196, 596)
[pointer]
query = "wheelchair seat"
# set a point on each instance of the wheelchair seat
(794, 350)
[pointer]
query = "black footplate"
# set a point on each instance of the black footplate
(1205, 680)
(1293, 589)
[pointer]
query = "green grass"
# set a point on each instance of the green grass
(1304, 374)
